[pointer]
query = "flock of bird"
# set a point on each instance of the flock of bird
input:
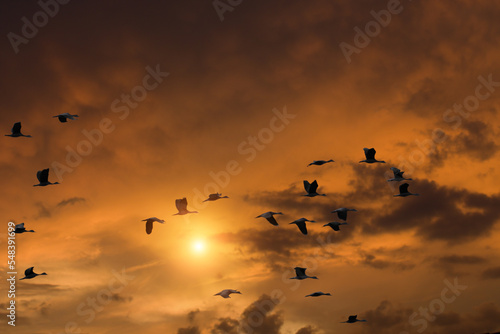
(181, 205)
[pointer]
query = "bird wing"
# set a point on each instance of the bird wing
(28, 271)
(369, 153)
(352, 318)
(181, 204)
(395, 170)
(342, 215)
(20, 226)
(302, 227)
(403, 188)
(272, 220)
(313, 187)
(307, 185)
(300, 271)
(335, 227)
(43, 175)
(149, 226)
(213, 196)
(16, 128)
(62, 118)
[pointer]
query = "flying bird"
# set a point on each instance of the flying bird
(335, 225)
(63, 118)
(43, 178)
(16, 131)
(352, 319)
(370, 156)
(225, 293)
(398, 175)
(270, 217)
(20, 229)
(301, 223)
(181, 205)
(403, 191)
(29, 273)
(342, 213)
(149, 223)
(320, 162)
(214, 197)
(300, 274)
(311, 189)
(319, 293)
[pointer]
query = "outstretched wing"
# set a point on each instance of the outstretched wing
(149, 226)
(342, 215)
(43, 175)
(302, 227)
(300, 271)
(335, 227)
(352, 318)
(181, 204)
(62, 118)
(403, 188)
(313, 187)
(272, 220)
(16, 129)
(307, 185)
(28, 271)
(369, 153)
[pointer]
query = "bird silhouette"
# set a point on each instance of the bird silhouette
(403, 191)
(398, 175)
(311, 189)
(149, 223)
(270, 217)
(225, 293)
(370, 156)
(16, 131)
(214, 197)
(29, 274)
(335, 225)
(301, 224)
(181, 205)
(319, 293)
(352, 319)
(320, 162)
(43, 178)
(20, 229)
(300, 274)
(342, 213)
(63, 118)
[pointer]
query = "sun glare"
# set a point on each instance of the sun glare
(198, 246)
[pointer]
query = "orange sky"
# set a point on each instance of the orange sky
(179, 103)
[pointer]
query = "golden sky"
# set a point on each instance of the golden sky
(186, 98)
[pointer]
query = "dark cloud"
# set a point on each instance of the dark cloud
(491, 273)
(192, 315)
(71, 201)
(189, 330)
(371, 260)
(307, 330)
(386, 316)
(225, 326)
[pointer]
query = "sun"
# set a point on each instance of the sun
(198, 246)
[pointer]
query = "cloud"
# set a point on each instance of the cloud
(70, 201)
(307, 330)
(491, 273)
(189, 330)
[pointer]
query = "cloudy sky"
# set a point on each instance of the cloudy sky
(186, 98)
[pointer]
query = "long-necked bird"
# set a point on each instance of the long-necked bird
(335, 225)
(311, 189)
(300, 274)
(43, 178)
(20, 229)
(63, 118)
(214, 197)
(370, 156)
(352, 319)
(301, 224)
(16, 131)
(398, 175)
(342, 212)
(181, 205)
(29, 273)
(320, 162)
(403, 191)
(270, 217)
(225, 293)
(149, 223)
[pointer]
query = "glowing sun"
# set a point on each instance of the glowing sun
(198, 246)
